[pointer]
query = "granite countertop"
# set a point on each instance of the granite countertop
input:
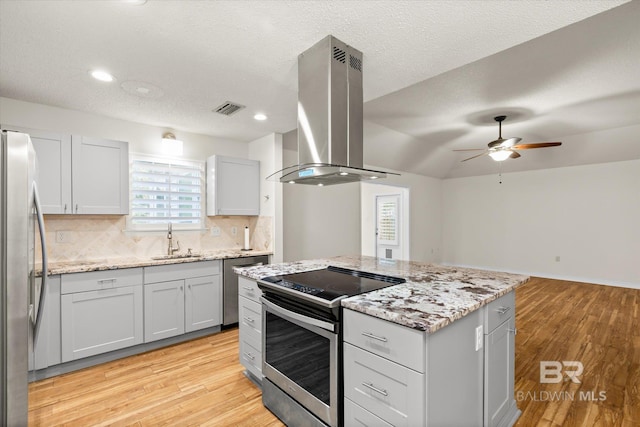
(114, 263)
(433, 296)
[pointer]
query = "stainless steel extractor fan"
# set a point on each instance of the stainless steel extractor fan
(505, 148)
(330, 127)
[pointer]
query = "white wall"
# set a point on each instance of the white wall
(142, 138)
(268, 150)
(586, 215)
(320, 222)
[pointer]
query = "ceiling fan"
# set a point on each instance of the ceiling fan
(504, 148)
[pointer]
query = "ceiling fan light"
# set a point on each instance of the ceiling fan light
(500, 155)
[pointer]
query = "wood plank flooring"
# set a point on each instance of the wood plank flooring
(201, 382)
(598, 326)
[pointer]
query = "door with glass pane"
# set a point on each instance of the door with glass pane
(388, 227)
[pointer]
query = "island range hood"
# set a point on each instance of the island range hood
(329, 117)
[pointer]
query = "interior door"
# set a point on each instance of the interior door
(388, 226)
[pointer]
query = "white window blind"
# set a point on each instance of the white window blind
(388, 221)
(166, 191)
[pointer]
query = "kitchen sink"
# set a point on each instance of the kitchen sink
(176, 256)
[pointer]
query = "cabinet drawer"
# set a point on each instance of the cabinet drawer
(499, 310)
(97, 280)
(251, 357)
(250, 317)
(249, 289)
(392, 341)
(166, 273)
(386, 389)
(354, 415)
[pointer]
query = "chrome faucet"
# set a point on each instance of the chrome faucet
(171, 249)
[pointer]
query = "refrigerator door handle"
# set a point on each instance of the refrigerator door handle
(43, 245)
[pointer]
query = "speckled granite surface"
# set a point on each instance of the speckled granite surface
(433, 296)
(130, 262)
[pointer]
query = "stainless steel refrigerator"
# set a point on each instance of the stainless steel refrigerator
(20, 295)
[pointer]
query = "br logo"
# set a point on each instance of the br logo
(551, 371)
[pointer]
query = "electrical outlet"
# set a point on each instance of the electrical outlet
(479, 337)
(558, 258)
(234, 231)
(215, 231)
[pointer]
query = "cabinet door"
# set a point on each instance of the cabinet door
(100, 321)
(203, 303)
(100, 176)
(53, 151)
(499, 372)
(234, 186)
(163, 310)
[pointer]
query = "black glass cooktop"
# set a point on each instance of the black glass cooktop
(333, 283)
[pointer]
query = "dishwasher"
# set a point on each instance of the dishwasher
(230, 285)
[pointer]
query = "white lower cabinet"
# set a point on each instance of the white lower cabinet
(384, 388)
(355, 415)
(395, 375)
(499, 345)
(181, 298)
(163, 310)
(100, 312)
(250, 326)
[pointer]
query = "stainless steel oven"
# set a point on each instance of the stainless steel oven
(302, 341)
(301, 357)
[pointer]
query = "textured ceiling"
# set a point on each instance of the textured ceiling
(194, 55)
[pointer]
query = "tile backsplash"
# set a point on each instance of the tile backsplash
(97, 237)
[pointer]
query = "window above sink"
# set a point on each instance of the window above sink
(166, 191)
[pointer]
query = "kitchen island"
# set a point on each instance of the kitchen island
(435, 350)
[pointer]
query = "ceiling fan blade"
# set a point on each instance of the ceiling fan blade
(515, 155)
(470, 149)
(536, 145)
(481, 154)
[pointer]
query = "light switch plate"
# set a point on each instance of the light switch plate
(215, 231)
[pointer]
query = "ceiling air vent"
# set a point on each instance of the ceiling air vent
(228, 108)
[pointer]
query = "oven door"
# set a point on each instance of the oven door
(300, 356)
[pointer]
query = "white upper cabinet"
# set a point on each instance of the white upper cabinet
(100, 176)
(80, 175)
(53, 151)
(233, 186)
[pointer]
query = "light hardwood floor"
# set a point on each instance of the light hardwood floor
(201, 382)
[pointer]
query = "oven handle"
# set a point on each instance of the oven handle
(296, 316)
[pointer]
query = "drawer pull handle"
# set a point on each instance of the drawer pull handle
(107, 280)
(375, 337)
(514, 330)
(502, 310)
(249, 356)
(376, 389)
(248, 319)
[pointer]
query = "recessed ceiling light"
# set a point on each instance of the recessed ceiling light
(321, 185)
(260, 117)
(102, 75)
(373, 177)
(344, 173)
(292, 182)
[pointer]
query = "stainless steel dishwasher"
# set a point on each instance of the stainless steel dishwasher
(230, 285)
